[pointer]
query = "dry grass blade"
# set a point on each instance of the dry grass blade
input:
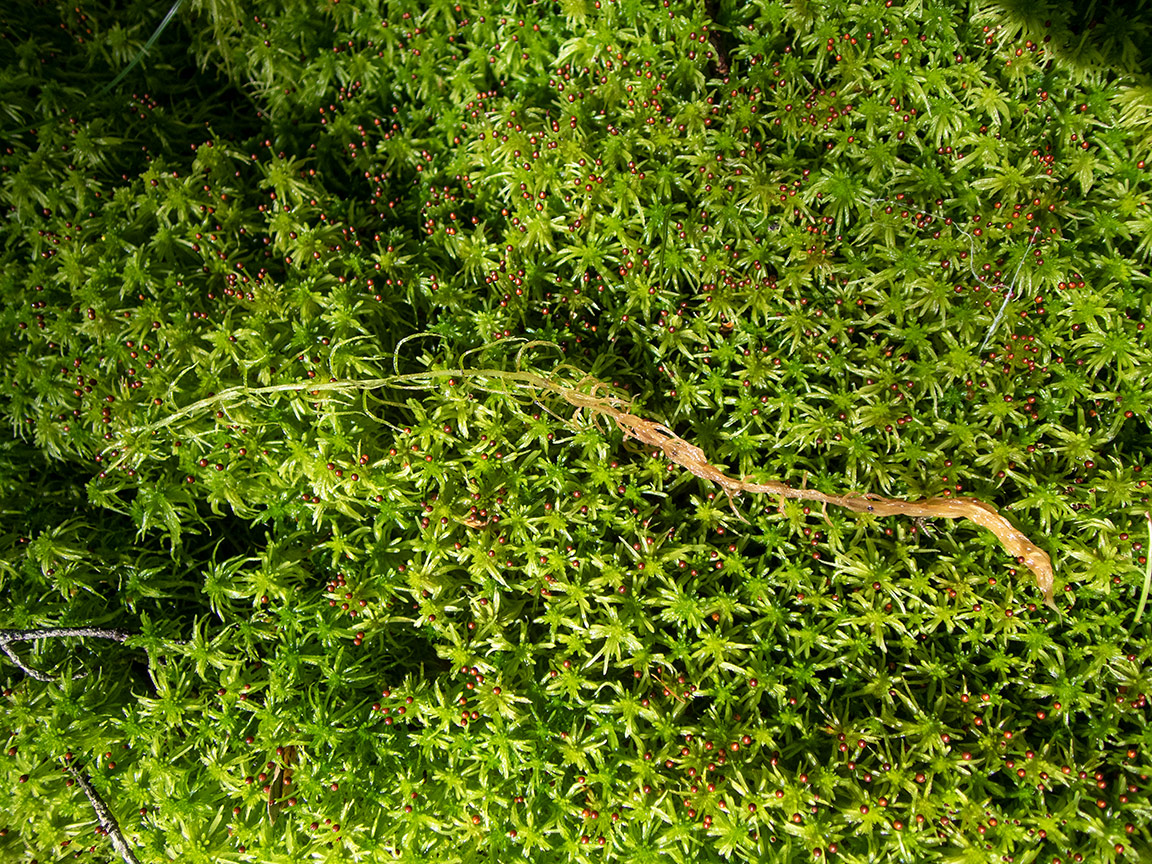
(692, 458)
(583, 396)
(669, 690)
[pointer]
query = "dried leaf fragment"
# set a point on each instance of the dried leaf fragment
(280, 778)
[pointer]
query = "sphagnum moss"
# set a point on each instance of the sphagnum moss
(484, 630)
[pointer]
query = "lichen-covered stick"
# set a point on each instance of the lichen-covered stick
(104, 815)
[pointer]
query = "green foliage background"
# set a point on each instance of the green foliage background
(785, 228)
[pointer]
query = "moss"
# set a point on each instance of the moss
(861, 249)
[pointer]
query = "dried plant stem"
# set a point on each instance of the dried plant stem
(582, 395)
(1007, 297)
(107, 820)
(716, 37)
(103, 814)
(692, 458)
(9, 636)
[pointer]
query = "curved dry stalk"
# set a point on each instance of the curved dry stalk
(281, 777)
(692, 458)
(676, 449)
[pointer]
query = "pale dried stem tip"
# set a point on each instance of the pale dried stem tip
(9, 636)
(107, 820)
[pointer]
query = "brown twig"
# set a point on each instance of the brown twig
(691, 457)
(9, 636)
(668, 689)
(107, 820)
